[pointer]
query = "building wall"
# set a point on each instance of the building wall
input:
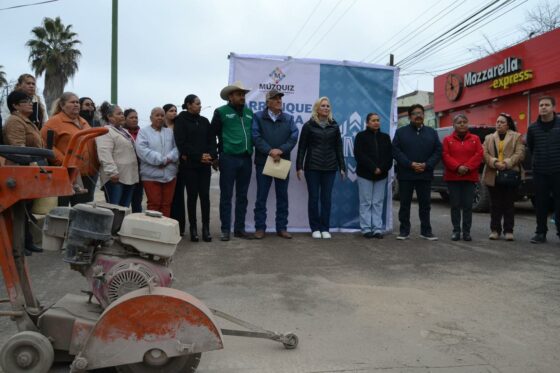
(483, 102)
(430, 118)
(423, 98)
(523, 108)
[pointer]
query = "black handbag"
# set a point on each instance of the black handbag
(507, 178)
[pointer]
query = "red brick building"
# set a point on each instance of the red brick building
(508, 81)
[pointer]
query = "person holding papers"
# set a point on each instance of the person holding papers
(275, 134)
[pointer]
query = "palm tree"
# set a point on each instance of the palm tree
(3, 80)
(53, 52)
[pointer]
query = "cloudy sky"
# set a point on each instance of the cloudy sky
(170, 48)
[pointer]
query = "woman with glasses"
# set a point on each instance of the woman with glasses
(503, 151)
(26, 83)
(65, 122)
(19, 130)
(117, 155)
(87, 111)
(320, 156)
(462, 156)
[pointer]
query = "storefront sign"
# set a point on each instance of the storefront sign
(509, 80)
(510, 65)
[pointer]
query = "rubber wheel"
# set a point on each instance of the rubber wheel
(178, 364)
(27, 352)
(292, 343)
(481, 200)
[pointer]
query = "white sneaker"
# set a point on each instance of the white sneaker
(316, 234)
(326, 235)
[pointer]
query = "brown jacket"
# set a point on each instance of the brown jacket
(20, 131)
(514, 154)
(64, 128)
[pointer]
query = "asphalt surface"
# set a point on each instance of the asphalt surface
(362, 305)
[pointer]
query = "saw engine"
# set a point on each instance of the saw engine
(118, 252)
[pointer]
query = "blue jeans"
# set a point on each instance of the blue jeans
(319, 188)
(372, 197)
(118, 193)
(263, 186)
(137, 197)
(235, 170)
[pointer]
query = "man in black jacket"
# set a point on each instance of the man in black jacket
(543, 140)
(275, 134)
(417, 150)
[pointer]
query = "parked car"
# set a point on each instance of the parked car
(481, 202)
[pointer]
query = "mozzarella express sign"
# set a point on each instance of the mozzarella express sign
(502, 76)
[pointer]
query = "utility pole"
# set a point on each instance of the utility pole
(114, 52)
(391, 60)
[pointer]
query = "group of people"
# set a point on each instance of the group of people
(417, 150)
(177, 151)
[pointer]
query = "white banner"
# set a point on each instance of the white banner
(354, 89)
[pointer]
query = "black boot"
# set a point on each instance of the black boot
(206, 233)
(194, 233)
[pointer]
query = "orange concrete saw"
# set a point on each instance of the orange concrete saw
(137, 322)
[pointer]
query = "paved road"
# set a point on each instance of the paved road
(371, 306)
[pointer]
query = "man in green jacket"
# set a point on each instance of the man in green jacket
(231, 124)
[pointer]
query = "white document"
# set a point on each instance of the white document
(278, 170)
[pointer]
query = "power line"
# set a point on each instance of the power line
(428, 9)
(318, 27)
(436, 70)
(440, 47)
(450, 30)
(26, 5)
(332, 28)
(428, 24)
(453, 32)
(418, 30)
(303, 26)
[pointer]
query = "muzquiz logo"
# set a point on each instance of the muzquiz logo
(277, 75)
(348, 131)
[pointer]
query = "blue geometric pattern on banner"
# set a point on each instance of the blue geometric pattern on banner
(354, 92)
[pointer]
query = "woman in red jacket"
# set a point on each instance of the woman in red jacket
(462, 156)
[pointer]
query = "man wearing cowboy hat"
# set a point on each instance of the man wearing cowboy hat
(275, 134)
(232, 125)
